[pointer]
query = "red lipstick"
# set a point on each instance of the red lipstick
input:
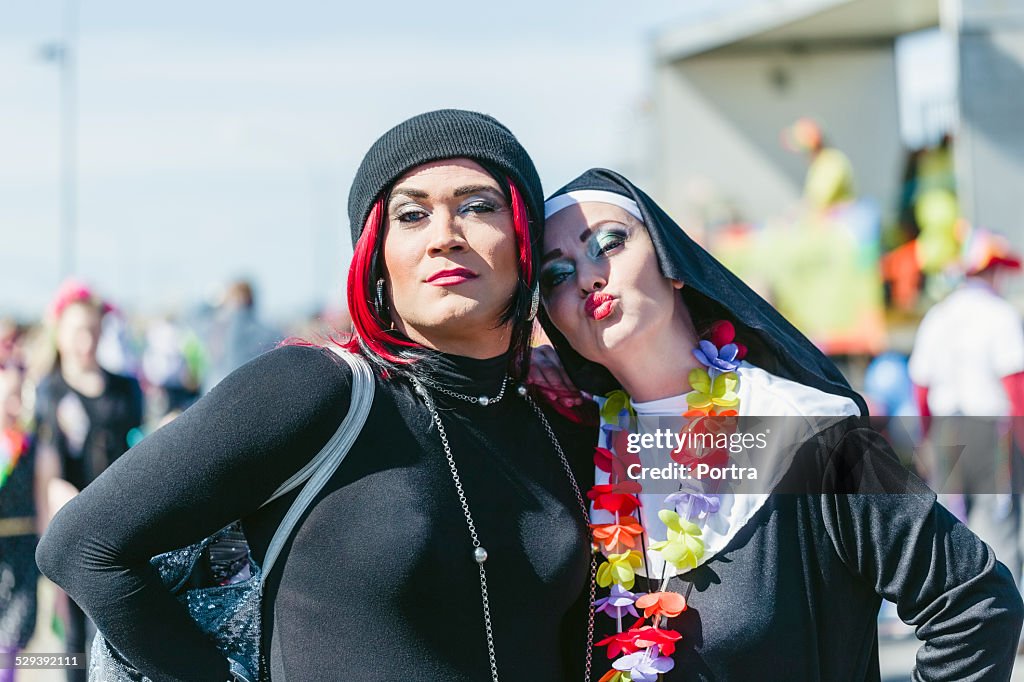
(450, 277)
(599, 305)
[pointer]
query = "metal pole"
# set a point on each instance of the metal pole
(68, 142)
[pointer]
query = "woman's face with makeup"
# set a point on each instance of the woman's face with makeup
(450, 256)
(601, 283)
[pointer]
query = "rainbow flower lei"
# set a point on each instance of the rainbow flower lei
(13, 444)
(643, 650)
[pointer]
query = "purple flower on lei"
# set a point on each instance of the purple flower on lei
(618, 603)
(691, 505)
(608, 429)
(645, 666)
(717, 360)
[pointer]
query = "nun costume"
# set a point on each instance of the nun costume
(780, 578)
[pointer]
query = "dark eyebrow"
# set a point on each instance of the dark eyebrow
(410, 192)
(584, 236)
(551, 255)
(473, 189)
(459, 191)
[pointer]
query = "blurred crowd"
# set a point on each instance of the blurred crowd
(913, 309)
(77, 389)
(855, 276)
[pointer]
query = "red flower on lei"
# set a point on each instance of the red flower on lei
(618, 498)
(639, 637)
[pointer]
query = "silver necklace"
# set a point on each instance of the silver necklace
(479, 400)
(479, 552)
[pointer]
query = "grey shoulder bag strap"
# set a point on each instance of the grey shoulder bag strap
(326, 462)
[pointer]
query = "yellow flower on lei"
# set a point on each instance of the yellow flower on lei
(615, 402)
(619, 569)
(721, 392)
(684, 547)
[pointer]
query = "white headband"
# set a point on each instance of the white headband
(556, 204)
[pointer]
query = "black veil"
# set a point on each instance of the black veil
(711, 293)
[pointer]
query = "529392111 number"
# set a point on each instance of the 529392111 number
(42, 661)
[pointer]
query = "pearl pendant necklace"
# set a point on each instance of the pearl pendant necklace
(481, 400)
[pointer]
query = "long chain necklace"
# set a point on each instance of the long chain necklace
(479, 552)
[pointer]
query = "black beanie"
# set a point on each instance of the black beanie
(436, 135)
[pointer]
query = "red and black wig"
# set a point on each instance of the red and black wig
(394, 353)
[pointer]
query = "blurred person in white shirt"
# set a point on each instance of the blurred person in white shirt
(967, 367)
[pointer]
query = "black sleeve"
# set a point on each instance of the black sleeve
(219, 461)
(127, 394)
(945, 582)
(137, 404)
(45, 411)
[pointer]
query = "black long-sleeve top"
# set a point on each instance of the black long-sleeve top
(378, 582)
(111, 415)
(794, 597)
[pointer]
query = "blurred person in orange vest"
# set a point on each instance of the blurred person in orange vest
(967, 367)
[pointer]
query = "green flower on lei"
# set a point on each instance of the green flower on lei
(684, 547)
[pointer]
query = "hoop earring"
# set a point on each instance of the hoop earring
(379, 300)
(534, 305)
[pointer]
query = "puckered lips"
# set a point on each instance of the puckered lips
(599, 305)
(450, 277)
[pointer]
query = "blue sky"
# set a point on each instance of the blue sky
(220, 138)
